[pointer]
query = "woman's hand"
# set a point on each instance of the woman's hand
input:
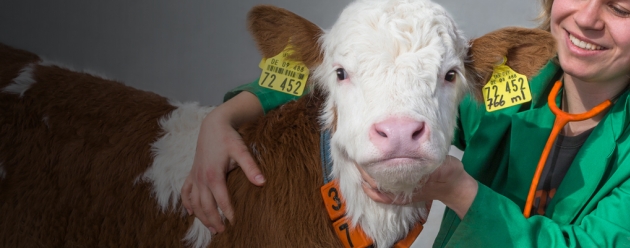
(219, 150)
(449, 183)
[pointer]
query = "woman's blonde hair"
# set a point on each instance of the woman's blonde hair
(545, 15)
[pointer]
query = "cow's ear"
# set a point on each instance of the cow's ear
(274, 27)
(527, 51)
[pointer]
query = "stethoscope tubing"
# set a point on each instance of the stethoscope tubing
(562, 118)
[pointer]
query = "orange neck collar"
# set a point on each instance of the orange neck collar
(354, 236)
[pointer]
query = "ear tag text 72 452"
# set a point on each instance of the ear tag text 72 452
(280, 73)
(506, 88)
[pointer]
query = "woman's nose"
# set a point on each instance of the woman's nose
(588, 16)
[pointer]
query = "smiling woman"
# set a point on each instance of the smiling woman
(594, 51)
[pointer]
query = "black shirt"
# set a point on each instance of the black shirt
(562, 153)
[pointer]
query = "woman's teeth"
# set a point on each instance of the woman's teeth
(584, 45)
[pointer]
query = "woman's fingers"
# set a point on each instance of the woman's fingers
(212, 218)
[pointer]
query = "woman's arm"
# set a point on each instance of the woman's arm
(495, 221)
(220, 149)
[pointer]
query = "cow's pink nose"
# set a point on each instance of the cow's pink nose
(398, 135)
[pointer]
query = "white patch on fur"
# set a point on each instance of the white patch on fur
(22, 82)
(198, 235)
(3, 173)
(396, 54)
(174, 154)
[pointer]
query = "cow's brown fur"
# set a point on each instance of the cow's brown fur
(72, 147)
(74, 144)
(289, 209)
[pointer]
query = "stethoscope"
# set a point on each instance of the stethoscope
(562, 118)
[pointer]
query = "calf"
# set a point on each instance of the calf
(89, 162)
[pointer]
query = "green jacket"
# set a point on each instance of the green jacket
(591, 208)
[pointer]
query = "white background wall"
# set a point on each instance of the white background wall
(193, 50)
(189, 50)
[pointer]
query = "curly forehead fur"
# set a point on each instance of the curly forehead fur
(394, 29)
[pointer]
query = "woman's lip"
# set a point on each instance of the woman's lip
(581, 52)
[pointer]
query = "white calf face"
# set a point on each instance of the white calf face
(393, 71)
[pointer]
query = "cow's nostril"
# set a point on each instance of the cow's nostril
(381, 134)
(416, 135)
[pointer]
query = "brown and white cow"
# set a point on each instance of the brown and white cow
(89, 162)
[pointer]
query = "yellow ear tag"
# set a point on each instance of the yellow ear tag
(506, 88)
(284, 75)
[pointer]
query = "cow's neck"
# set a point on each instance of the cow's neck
(357, 220)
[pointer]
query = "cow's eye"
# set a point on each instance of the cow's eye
(342, 74)
(450, 76)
